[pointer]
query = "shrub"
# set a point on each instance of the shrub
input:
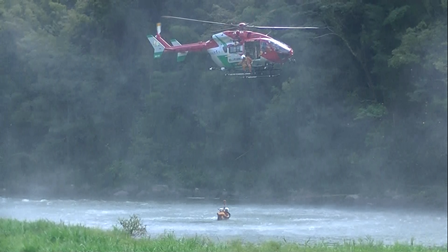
(133, 225)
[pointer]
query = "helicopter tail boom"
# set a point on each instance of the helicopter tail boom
(160, 45)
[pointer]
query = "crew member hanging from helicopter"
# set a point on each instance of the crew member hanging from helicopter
(238, 38)
(246, 62)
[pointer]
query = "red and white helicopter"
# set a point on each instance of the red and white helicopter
(228, 47)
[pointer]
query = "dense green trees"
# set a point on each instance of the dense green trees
(83, 102)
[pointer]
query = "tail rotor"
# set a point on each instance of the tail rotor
(157, 42)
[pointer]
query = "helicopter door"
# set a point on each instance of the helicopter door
(234, 53)
(253, 49)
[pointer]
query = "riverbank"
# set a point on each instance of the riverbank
(44, 235)
(424, 198)
(425, 201)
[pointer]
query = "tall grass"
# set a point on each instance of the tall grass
(44, 235)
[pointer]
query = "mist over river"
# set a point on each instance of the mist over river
(248, 222)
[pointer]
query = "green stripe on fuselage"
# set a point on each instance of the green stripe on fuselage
(222, 42)
(225, 61)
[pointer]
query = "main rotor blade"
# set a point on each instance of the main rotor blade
(284, 27)
(197, 20)
(244, 25)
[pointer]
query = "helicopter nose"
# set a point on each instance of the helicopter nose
(291, 52)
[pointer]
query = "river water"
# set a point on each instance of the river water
(252, 223)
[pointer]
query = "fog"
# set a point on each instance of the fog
(86, 112)
(279, 223)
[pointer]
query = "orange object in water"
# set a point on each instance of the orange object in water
(223, 215)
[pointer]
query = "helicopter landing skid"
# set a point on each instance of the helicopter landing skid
(252, 75)
(257, 73)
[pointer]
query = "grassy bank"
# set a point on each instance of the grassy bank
(44, 235)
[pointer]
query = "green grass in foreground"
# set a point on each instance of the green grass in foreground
(44, 235)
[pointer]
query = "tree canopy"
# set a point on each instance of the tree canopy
(83, 102)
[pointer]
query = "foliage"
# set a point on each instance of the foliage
(45, 235)
(133, 225)
(84, 105)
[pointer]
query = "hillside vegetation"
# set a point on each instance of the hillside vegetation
(85, 108)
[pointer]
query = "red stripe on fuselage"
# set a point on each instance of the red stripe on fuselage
(245, 35)
(192, 47)
(201, 46)
(162, 41)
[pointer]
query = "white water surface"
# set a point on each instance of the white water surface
(252, 223)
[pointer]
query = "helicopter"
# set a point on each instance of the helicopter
(228, 48)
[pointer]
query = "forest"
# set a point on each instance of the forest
(86, 110)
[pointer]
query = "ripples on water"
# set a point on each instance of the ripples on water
(248, 222)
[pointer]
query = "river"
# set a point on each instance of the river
(252, 223)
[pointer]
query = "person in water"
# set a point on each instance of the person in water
(224, 211)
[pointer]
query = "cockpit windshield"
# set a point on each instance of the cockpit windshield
(279, 46)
